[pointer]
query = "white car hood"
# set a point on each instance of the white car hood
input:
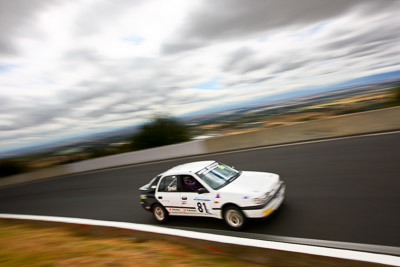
(252, 183)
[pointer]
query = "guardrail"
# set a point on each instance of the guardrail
(258, 251)
(353, 124)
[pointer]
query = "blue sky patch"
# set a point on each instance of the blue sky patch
(210, 84)
(317, 28)
(262, 40)
(311, 31)
(6, 67)
(133, 39)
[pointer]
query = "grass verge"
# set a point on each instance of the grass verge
(27, 244)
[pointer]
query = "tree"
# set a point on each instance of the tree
(11, 167)
(397, 96)
(160, 132)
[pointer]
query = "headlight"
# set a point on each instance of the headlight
(267, 196)
(143, 196)
(263, 199)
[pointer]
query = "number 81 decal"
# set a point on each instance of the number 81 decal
(201, 207)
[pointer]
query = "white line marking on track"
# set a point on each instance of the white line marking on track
(306, 249)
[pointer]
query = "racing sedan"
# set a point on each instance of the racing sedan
(213, 189)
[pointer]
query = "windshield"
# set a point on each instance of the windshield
(218, 175)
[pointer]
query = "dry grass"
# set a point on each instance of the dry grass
(23, 244)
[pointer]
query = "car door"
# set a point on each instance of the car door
(169, 195)
(195, 204)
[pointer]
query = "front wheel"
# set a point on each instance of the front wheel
(234, 218)
(159, 213)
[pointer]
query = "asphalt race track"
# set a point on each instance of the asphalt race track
(341, 190)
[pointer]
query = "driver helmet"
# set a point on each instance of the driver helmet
(189, 180)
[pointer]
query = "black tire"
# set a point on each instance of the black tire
(234, 218)
(160, 213)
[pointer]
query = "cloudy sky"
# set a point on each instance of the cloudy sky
(71, 68)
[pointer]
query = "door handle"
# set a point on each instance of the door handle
(160, 197)
(184, 198)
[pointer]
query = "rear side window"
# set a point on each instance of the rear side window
(168, 184)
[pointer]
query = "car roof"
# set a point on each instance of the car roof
(189, 167)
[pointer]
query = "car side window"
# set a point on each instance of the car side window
(153, 183)
(190, 184)
(169, 184)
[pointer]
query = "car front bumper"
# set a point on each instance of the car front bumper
(146, 201)
(267, 209)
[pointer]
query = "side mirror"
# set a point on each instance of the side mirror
(202, 191)
(153, 187)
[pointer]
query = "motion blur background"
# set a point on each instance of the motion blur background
(96, 84)
(87, 79)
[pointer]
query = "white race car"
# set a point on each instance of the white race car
(213, 189)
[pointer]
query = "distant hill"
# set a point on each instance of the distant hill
(302, 92)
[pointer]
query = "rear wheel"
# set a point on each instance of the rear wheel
(159, 213)
(234, 218)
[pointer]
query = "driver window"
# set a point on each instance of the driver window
(169, 184)
(190, 184)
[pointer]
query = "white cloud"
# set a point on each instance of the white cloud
(85, 66)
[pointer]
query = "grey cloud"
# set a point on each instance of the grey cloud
(391, 53)
(40, 114)
(5, 103)
(253, 66)
(101, 14)
(364, 48)
(261, 79)
(43, 133)
(112, 108)
(7, 47)
(98, 113)
(346, 44)
(120, 91)
(385, 65)
(369, 41)
(15, 15)
(240, 55)
(90, 89)
(186, 45)
(80, 56)
(134, 82)
(227, 19)
(131, 82)
(139, 106)
(106, 66)
(292, 65)
(248, 81)
(243, 60)
(370, 36)
(122, 68)
(290, 61)
(86, 91)
(33, 116)
(248, 65)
